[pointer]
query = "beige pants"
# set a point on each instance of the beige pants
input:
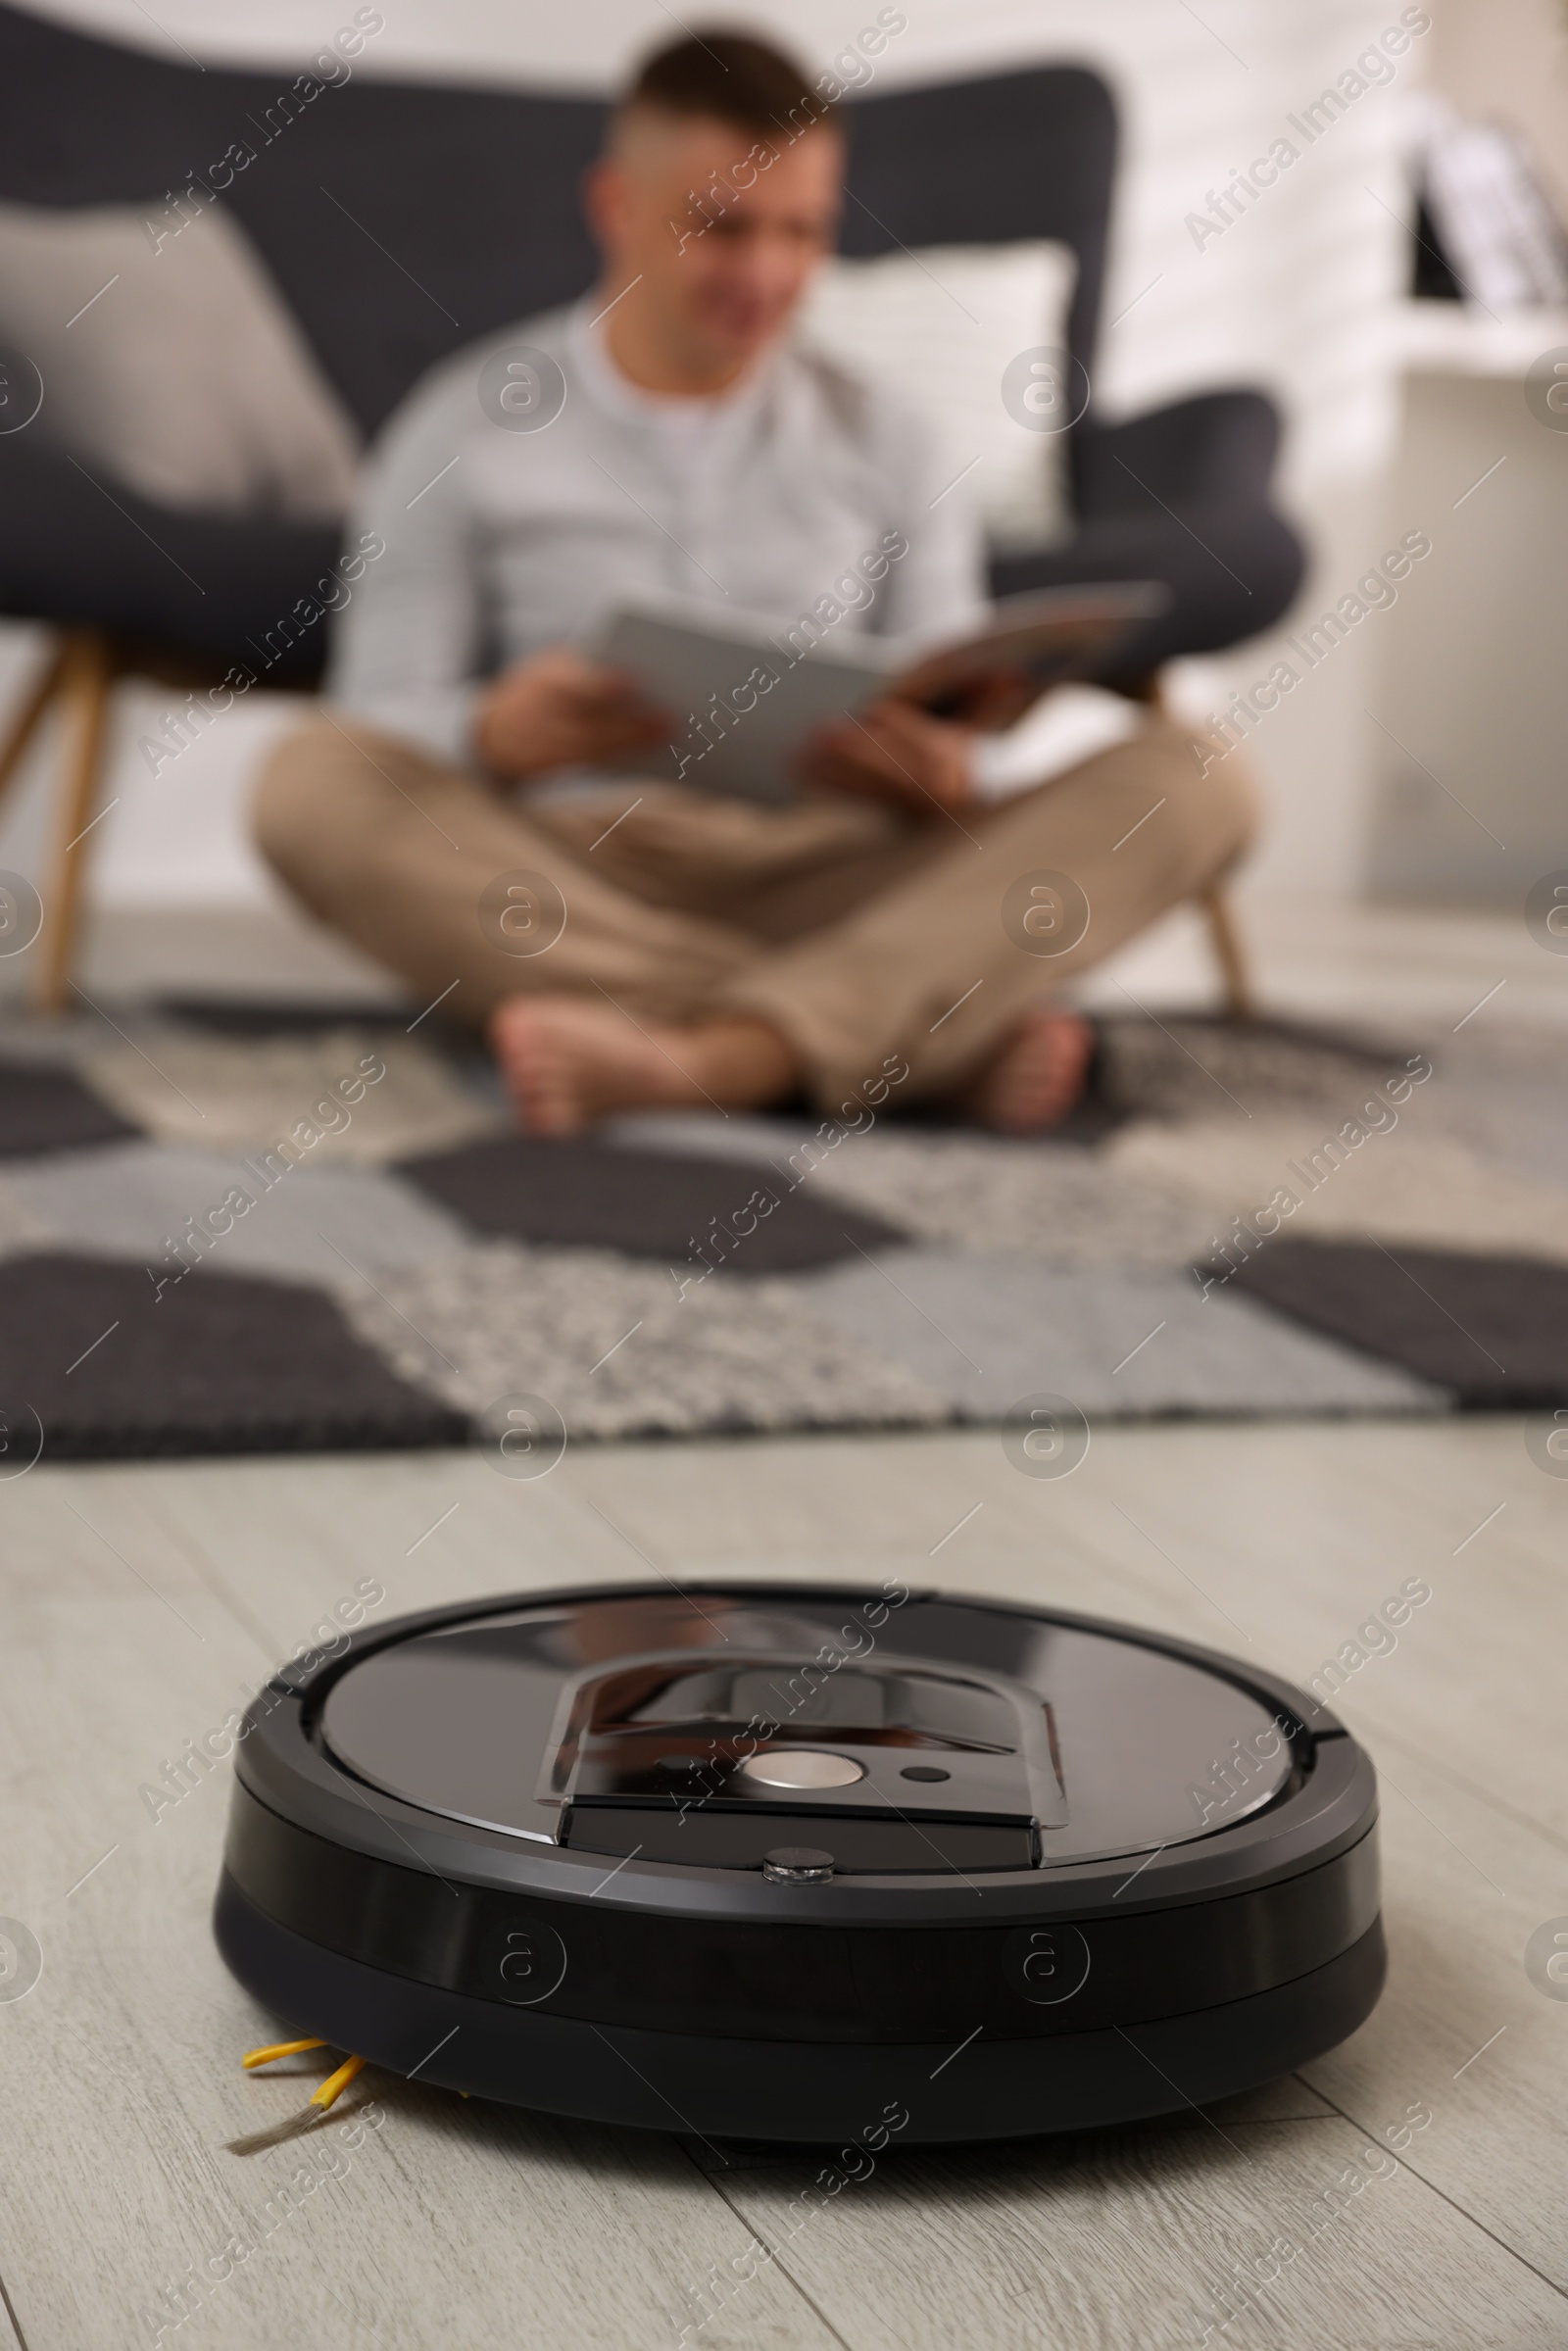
(854, 930)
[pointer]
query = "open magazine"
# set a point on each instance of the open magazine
(751, 691)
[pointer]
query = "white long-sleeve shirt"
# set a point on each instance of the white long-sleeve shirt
(498, 543)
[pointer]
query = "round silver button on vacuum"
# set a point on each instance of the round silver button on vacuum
(799, 1767)
(798, 1865)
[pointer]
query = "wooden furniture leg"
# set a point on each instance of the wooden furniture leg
(1229, 951)
(86, 673)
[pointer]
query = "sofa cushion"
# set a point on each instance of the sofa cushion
(945, 326)
(170, 361)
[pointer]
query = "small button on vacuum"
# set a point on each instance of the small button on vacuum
(798, 1865)
(801, 1767)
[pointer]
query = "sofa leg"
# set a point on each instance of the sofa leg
(1229, 952)
(86, 673)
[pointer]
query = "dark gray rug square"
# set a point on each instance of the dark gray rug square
(680, 1208)
(1494, 1330)
(43, 1109)
(95, 1366)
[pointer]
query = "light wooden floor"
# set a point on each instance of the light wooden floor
(141, 1604)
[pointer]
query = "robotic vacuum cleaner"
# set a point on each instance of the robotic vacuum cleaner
(783, 1861)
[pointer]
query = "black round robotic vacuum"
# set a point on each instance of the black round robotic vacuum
(793, 1862)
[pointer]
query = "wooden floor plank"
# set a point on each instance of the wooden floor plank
(287, 1538)
(1138, 2238)
(1462, 2031)
(9, 2335)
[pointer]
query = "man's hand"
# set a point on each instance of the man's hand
(559, 710)
(893, 752)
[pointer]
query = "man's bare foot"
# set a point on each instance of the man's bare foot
(1036, 1078)
(568, 1063)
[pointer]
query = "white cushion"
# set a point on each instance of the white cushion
(943, 325)
(173, 366)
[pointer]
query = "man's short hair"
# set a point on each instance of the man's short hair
(729, 77)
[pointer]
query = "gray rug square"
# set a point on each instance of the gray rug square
(617, 1349)
(735, 1134)
(380, 1096)
(149, 1201)
(1060, 1200)
(988, 1329)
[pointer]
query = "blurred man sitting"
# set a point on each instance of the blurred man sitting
(697, 948)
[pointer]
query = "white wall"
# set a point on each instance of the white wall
(1510, 58)
(1294, 296)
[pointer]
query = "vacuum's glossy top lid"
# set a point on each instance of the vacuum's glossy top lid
(875, 1731)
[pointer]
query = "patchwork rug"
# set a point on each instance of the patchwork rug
(226, 1233)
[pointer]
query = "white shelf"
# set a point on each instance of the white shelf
(1459, 338)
